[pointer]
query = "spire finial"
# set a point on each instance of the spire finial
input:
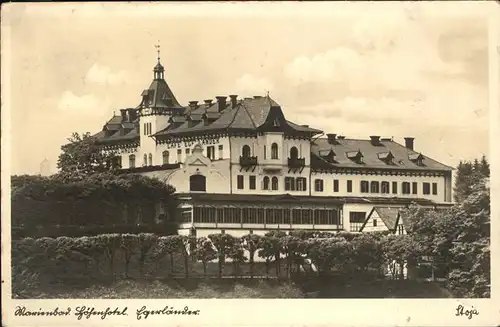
(157, 46)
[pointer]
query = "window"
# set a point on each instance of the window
(221, 151)
(335, 185)
(349, 186)
(385, 187)
(179, 155)
(400, 229)
(294, 153)
(188, 150)
(131, 161)
(265, 152)
(356, 220)
(211, 152)
(434, 188)
(364, 186)
(197, 183)
(166, 155)
(245, 151)
(150, 159)
(289, 184)
(286, 217)
(274, 183)
(406, 188)
(326, 217)
(145, 160)
(394, 187)
(252, 182)
(265, 183)
(274, 151)
(301, 184)
(414, 187)
(374, 222)
(239, 181)
(426, 188)
(374, 187)
(318, 185)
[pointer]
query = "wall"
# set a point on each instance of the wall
(257, 149)
(356, 191)
(380, 224)
(172, 149)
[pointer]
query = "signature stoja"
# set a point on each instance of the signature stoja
(469, 313)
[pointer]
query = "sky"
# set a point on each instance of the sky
(394, 69)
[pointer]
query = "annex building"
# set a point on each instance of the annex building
(239, 166)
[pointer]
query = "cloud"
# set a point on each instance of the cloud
(248, 85)
(87, 104)
(103, 75)
(397, 54)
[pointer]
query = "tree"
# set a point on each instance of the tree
(470, 275)
(170, 245)
(128, 244)
(291, 247)
(146, 242)
(251, 243)
(205, 252)
(83, 156)
(224, 244)
(111, 243)
(269, 248)
(237, 255)
(468, 173)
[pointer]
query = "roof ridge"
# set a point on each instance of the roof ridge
(246, 110)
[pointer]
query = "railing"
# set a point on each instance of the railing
(248, 161)
(296, 162)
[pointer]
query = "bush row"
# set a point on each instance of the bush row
(46, 260)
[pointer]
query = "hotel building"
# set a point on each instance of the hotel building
(239, 165)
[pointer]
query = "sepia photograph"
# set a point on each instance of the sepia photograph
(246, 151)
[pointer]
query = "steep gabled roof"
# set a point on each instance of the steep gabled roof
(248, 114)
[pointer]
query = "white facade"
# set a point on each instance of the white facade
(265, 155)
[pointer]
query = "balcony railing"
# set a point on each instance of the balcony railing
(248, 161)
(296, 162)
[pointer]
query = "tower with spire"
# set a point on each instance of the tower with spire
(158, 104)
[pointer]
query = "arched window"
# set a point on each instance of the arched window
(374, 187)
(166, 155)
(131, 161)
(197, 183)
(274, 183)
(245, 151)
(274, 151)
(145, 163)
(265, 182)
(294, 153)
(150, 159)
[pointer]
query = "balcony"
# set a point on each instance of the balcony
(248, 161)
(296, 162)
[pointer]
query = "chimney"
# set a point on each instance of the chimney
(132, 115)
(257, 96)
(208, 102)
(375, 140)
(332, 138)
(409, 142)
(193, 104)
(124, 114)
(234, 100)
(221, 100)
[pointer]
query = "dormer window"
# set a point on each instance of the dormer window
(386, 157)
(355, 156)
(416, 158)
(276, 123)
(328, 155)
